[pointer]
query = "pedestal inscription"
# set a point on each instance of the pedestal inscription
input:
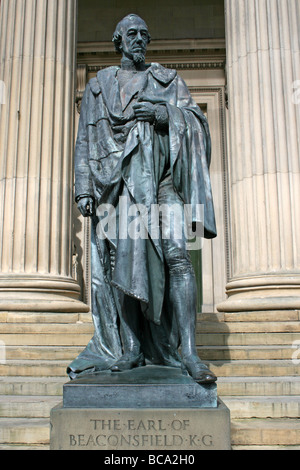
(140, 429)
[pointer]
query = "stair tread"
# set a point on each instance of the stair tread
(28, 398)
(80, 327)
(24, 431)
(282, 378)
(249, 327)
(267, 423)
(23, 422)
(242, 361)
(35, 361)
(226, 367)
(28, 378)
(254, 361)
(250, 347)
(24, 447)
(258, 447)
(263, 399)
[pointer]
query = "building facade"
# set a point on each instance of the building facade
(240, 59)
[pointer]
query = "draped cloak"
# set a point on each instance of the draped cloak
(116, 156)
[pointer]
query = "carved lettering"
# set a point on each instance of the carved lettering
(114, 440)
(110, 424)
(147, 425)
(207, 440)
(178, 425)
(151, 433)
(193, 441)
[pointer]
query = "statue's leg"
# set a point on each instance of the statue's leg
(183, 298)
(183, 291)
(129, 330)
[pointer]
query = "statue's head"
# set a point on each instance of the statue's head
(132, 37)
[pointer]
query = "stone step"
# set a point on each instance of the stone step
(22, 431)
(240, 407)
(34, 339)
(33, 386)
(51, 317)
(12, 406)
(81, 339)
(234, 353)
(248, 327)
(205, 352)
(249, 368)
(202, 327)
(45, 328)
(259, 386)
(247, 339)
(42, 368)
(44, 317)
(42, 352)
(269, 448)
(246, 368)
(227, 386)
(32, 447)
(257, 316)
(263, 407)
(265, 432)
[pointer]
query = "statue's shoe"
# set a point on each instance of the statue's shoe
(199, 371)
(128, 362)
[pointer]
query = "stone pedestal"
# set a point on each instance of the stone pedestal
(150, 408)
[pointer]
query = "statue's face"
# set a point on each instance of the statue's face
(134, 39)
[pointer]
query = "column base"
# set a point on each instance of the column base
(262, 293)
(40, 294)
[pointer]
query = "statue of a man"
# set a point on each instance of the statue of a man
(142, 141)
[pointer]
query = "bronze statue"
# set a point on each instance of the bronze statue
(142, 141)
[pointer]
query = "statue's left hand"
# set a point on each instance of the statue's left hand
(145, 111)
(86, 206)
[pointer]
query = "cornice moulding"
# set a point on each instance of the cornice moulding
(155, 45)
(197, 54)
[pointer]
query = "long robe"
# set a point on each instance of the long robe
(118, 156)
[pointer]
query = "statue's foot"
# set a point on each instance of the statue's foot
(199, 371)
(127, 362)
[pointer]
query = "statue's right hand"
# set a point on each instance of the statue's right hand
(86, 206)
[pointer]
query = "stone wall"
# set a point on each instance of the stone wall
(168, 19)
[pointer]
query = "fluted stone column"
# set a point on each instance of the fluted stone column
(263, 39)
(37, 65)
